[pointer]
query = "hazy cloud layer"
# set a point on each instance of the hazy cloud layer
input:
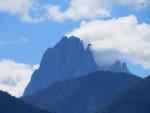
(15, 76)
(33, 11)
(116, 39)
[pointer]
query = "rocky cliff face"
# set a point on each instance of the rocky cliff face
(67, 59)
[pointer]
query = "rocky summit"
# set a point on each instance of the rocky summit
(66, 60)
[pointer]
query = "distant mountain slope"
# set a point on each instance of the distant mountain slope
(9, 104)
(66, 60)
(85, 94)
(134, 100)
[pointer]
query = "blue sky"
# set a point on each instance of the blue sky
(118, 29)
(40, 37)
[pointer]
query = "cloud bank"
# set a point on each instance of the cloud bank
(23, 9)
(91, 9)
(117, 38)
(15, 76)
(33, 11)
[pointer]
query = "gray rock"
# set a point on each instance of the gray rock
(68, 59)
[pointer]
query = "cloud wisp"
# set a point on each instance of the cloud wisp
(19, 40)
(23, 9)
(117, 38)
(15, 76)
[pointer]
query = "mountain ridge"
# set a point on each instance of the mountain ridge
(136, 99)
(82, 94)
(10, 104)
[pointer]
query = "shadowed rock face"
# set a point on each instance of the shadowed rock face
(85, 94)
(67, 59)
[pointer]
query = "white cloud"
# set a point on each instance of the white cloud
(79, 9)
(90, 9)
(21, 8)
(117, 38)
(14, 76)
(33, 11)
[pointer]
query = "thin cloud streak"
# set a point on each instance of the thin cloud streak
(13, 41)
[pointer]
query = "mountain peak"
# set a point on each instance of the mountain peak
(74, 38)
(119, 67)
(66, 60)
(71, 38)
(125, 67)
(118, 64)
(70, 42)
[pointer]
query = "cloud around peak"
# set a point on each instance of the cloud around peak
(117, 38)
